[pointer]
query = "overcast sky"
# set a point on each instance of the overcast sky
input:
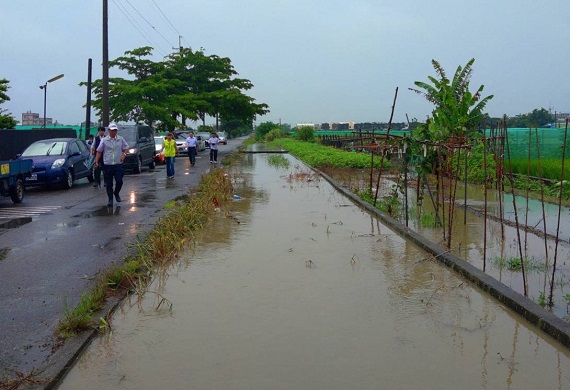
(311, 61)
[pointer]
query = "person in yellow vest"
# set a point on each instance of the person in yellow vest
(169, 149)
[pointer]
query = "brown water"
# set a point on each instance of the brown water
(502, 240)
(309, 292)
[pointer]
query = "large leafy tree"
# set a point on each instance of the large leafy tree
(187, 85)
(7, 121)
(457, 111)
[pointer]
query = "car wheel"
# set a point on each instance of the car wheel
(68, 180)
(17, 191)
(138, 168)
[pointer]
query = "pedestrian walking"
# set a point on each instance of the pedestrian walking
(169, 149)
(213, 141)
(89, 141)
(192, 144)
(113, 150)
(92, 152)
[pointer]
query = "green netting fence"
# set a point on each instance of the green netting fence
(550, 141)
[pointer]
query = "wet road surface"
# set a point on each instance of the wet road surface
(54, 244)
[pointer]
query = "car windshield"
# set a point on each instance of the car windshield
(45, 148)
(129, 134)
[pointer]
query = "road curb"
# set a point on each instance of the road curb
(73, 348)
(529, 310)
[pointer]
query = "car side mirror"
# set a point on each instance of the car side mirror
(75, 154)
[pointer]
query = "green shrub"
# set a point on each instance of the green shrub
(274, 134)
(306, 133)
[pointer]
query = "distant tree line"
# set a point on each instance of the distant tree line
(537, 118)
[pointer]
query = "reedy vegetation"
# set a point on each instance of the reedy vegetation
(152, 251)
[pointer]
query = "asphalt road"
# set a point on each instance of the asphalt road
(54, 244)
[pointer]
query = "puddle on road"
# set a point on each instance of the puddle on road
(307, 292)
(15, 223)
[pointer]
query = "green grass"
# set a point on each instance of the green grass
(278, 161)
(551, 168)
(514, 264)
(428, 220)
(320, 156)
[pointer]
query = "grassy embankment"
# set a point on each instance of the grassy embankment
(153, 250)
(320, 156)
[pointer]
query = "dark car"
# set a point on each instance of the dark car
(58, 161)
(141, 147)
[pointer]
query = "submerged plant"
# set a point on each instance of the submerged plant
(514, 264)
(278, 161)
(542, 299)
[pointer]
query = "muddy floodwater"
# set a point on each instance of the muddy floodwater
(292, 286)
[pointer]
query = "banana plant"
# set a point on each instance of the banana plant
(457, 111)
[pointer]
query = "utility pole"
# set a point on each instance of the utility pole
(105, 89)
(179, 48)
(88, 104)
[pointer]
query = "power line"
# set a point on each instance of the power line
(131, 21)
(165, 17)
(140, 29)
(158, 32)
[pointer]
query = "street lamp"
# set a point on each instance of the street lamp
(44, 87)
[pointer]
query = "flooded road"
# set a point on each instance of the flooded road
(294, 287)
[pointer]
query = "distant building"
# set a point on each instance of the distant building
(343, 126)
(305, 125)
(33, 119)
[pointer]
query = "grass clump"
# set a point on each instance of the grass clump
(278, 161)
(514, 264)
(78, 319)
(154, 250)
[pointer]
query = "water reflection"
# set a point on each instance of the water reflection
(374, 311)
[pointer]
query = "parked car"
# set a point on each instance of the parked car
(159, 156)
(223, 138)
(204, 136)
(200, 143)
(181, 145)
(58, 161)
(142, 147)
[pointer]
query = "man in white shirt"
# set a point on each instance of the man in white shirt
(192, 144)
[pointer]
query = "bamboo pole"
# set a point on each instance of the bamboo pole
(500, 178)
(543, 211)
(525, 289)
(465, 192)
(527, 195)
(485, 203)
(383, 150)
(550, 299)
